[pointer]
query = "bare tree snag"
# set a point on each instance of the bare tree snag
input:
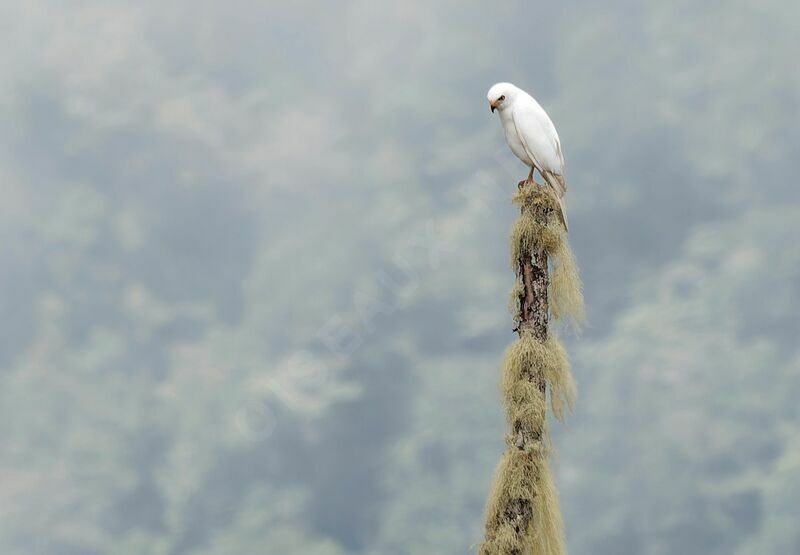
(534, 318)
(522, 512)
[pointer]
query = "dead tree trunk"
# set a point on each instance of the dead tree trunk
(522, 514)
(533, 319)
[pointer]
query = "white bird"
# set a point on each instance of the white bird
(531, 136)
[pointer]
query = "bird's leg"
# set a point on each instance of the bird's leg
(524, 182)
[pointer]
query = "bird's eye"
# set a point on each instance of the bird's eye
(503, 97)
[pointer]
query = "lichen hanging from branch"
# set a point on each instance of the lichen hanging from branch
(522, 515)
(537, 230)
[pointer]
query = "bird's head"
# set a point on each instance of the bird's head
(500, 96)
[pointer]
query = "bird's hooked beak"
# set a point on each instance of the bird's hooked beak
(492, 105)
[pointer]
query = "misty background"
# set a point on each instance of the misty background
(254, 273)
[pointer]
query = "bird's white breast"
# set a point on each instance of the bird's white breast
(512, 137)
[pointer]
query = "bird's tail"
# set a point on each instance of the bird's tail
(559, 185)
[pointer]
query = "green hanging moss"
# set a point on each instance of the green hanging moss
(548, 536)
(528, 235)
(524, 478)
(522, 513)
(565, 293)
(528, 357)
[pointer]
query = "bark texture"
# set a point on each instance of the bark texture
(522, 513)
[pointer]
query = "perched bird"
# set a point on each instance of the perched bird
(531, 136)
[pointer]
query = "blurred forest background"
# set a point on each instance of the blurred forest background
(253, 260)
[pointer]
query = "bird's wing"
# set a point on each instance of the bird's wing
(538, 134)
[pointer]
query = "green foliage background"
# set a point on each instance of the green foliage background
(253, 271)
